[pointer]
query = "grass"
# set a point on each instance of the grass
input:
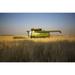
(54, 49)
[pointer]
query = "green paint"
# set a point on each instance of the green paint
(40, 34)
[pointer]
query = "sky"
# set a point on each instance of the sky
(19, 23)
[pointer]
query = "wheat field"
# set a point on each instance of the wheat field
(51, 38)
(20, 48)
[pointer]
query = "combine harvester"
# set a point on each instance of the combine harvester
(38, 33)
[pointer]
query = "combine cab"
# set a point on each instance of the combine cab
(37, 33)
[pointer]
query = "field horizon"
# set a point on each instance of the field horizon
(46, 39)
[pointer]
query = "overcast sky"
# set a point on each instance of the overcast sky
(19, 23)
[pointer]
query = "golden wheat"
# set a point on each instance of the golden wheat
(52, 38)
(22, 48)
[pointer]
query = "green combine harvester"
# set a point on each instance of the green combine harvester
(38, 33)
